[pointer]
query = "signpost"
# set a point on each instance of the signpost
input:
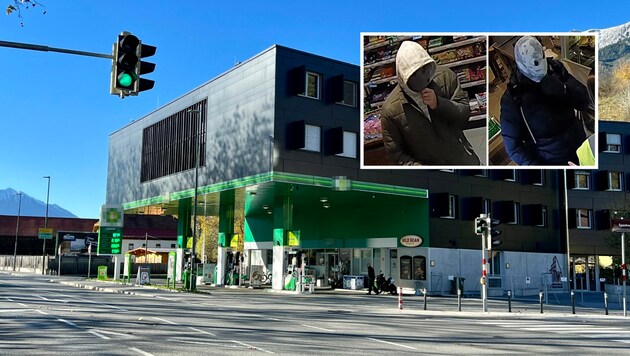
(622, 225)
(45, 234)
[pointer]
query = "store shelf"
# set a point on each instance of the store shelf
(477, 117)
(385, 43)
(378, 64)
(382, 80)
(456, 44)
(466, 61)
(473, 84)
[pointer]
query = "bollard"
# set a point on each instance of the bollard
(509, 301)
(573, 301)
(424, 291)
(540, 297)
(459, 300)
(606, 302)
(400, 298)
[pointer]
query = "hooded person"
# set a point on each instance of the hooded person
(424, 115)
(538, 118)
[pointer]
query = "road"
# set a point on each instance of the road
(40, 317)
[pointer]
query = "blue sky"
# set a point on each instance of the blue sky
(56, 112)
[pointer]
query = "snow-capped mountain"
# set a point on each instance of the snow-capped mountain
(614, 47)
(614, 35)
(9, 201)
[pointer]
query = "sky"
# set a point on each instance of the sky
(56, 113)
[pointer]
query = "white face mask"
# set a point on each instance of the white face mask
(530, 58)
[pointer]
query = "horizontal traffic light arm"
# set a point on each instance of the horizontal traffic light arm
(41, 48)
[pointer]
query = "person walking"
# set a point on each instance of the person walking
(371, 277)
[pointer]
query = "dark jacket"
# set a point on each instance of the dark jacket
(371, 274)
(556, 131)
(411, 139)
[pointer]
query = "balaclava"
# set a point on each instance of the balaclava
(412, 58)
(530, 58)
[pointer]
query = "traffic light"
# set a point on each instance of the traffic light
(492, 233)
(481, 225)
(127, 66)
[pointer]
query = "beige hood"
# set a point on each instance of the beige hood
(411, 57)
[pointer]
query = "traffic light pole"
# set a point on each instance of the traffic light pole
(41, 48)
(484, 285)
(624, 271)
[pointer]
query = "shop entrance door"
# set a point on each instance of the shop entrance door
(581, 273)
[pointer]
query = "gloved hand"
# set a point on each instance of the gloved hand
(552, 85)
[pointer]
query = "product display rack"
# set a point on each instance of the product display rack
(465, 55)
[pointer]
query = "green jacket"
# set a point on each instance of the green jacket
(411, 138)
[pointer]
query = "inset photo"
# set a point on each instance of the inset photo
(424, 101)
(542, 100)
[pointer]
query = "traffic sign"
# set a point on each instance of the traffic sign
(45, 234)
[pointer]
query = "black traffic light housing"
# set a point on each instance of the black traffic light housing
(127, 66)
(481, 226)
(492, 242)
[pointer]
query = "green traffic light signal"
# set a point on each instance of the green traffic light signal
(125, 79)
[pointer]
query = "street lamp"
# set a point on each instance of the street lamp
(17, 229)
(194, 236)
(45, 223)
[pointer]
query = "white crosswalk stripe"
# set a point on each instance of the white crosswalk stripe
(581, 329)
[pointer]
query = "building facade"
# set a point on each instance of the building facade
(279, 148)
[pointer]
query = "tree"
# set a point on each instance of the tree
(18, 5)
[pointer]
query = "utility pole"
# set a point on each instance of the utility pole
(17, 229)
(45, 224)
(146, 247)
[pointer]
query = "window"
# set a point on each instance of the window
(172, 245)
(158, 245)
(312, 85)
(510, 175)
(543, 217)
(539, 177)
(613, 143)
(516, 207)
(447, 170)
(312, 139)
(481, 173)
(349, 145)
(413, 268)
(583, 217)
(452, 207)
(487, 206)
(130, 246)
(582, 180)
(360, 260)
(614, 181)
(349, 93)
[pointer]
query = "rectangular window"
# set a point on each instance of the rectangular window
(583, 217)
(613, 143)
(405, 267)
(539, 179)
(510, 175)
(482, 173)
(131, 246)
(516, 207)
(543, 217)
(312, 85)
(172, 245)
(349, 93)
(487, 206)
(158, 245)
(447, 170)
(582, 180)
(614, 181)
(312, 139)
(452, 207)
(419, 268)
(349, 145)
(169, 145)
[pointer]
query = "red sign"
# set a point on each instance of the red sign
(411, 241)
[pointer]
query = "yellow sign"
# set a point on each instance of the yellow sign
(45, 233)
(189, 242)
(294, 238)
(234, 241)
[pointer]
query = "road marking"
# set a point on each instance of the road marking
(99, 335)
(110, 332)
(68, 322)
(252, 347)
(624, 341)
(164, 320)
(318, 328)
(392, 343)
(24, 305)
(140, 351)
(595, 331)
(201, 331)
(14, 310)
(41, 312)
(73, 298)
(9, 299)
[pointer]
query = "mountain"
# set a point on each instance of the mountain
(9, 201)
(614, 46)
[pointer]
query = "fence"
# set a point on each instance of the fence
(24, 263)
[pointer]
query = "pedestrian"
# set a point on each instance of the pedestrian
(371, 277)
(423, 116)
(538, 111)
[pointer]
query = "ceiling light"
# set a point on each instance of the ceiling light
(326, 205)
(323, 199)
(265, 207)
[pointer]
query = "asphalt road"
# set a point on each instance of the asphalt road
(38, 316)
